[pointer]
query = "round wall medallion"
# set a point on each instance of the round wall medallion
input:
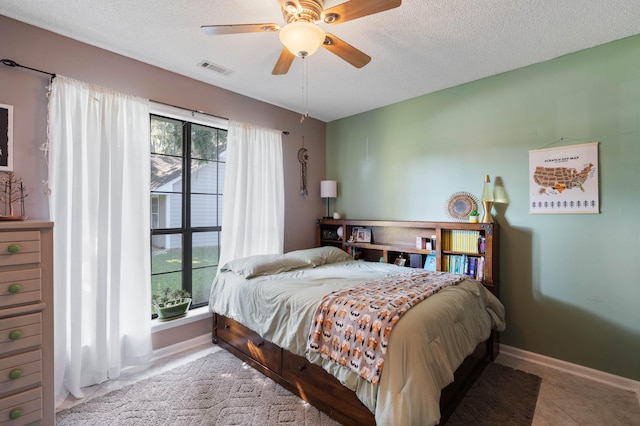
(460, 205)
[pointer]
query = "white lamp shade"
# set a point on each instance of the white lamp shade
(302, 38)
(328, 189)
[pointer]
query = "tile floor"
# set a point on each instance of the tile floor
(564, 399)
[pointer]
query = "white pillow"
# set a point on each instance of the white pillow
(321, 255)
(264, 264)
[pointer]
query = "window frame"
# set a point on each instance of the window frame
(186, 230)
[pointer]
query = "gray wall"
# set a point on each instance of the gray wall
(570, 283)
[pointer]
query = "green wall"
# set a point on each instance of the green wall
(570, 283)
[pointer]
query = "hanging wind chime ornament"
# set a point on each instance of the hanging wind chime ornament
(303, 157)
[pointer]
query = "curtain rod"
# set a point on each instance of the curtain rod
(14, 64)
(284, 132)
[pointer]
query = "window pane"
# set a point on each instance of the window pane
(166, 136)
(166, 253)
(222, 145)
(202, 279)
(205, 141)
(205, 249)
(220, 201)
(166, 188)
(204, 264)
(204, 177)
(155, 212)
(166, 173)
(167, 212)
(203, 210)
(161, 282)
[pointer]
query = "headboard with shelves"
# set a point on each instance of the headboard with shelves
(457, 246)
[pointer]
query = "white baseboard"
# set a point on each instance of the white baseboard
(575, 369)
(182, 346)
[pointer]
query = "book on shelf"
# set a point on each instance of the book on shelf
(415, 260)
(430, 262)
(480, 271)
(472, 266)
(461, 240)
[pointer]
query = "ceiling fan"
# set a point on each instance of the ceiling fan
(302, 35)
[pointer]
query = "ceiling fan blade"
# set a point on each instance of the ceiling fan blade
(238, 28)
(354, 9)
(284, 62)
(345, 51)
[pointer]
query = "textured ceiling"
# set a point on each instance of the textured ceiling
(418, 48)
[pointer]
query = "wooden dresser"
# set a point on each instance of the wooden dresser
(26, 323)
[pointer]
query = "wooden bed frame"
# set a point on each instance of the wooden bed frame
(313, 384)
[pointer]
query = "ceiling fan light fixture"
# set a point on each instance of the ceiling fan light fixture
(302, 38)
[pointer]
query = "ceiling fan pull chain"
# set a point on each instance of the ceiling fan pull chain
(305, 88)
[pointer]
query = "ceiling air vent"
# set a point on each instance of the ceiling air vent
(214, 67)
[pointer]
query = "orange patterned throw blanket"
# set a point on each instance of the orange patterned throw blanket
(352, 326)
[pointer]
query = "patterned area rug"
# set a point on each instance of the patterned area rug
(219, 389)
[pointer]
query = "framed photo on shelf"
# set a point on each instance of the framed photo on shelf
(400, 261)
(362, 235)
(329, 234)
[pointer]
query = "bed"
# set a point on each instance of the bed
(264, 308)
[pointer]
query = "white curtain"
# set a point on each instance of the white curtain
(98, 153)
(253, 210)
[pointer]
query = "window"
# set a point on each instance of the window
(187, 178)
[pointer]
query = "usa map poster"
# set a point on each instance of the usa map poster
(564, 179)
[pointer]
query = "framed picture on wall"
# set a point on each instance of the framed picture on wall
(6, 138)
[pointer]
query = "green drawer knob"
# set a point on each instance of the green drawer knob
(14, 414)
(13, 248)
(15, 334)
(15, 288)
(15, 374)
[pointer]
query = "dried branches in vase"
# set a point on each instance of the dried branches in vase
(12, 191)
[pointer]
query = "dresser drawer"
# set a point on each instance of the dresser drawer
(20, 287)
(249, 342)
(19, 248)
(20, 371)
(24, 407)
(20, 332)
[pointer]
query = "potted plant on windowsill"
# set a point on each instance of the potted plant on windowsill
(170, 303)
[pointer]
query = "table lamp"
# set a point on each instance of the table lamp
(487, 200)
(328, 190)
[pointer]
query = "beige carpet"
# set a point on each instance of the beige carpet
(220, 390)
